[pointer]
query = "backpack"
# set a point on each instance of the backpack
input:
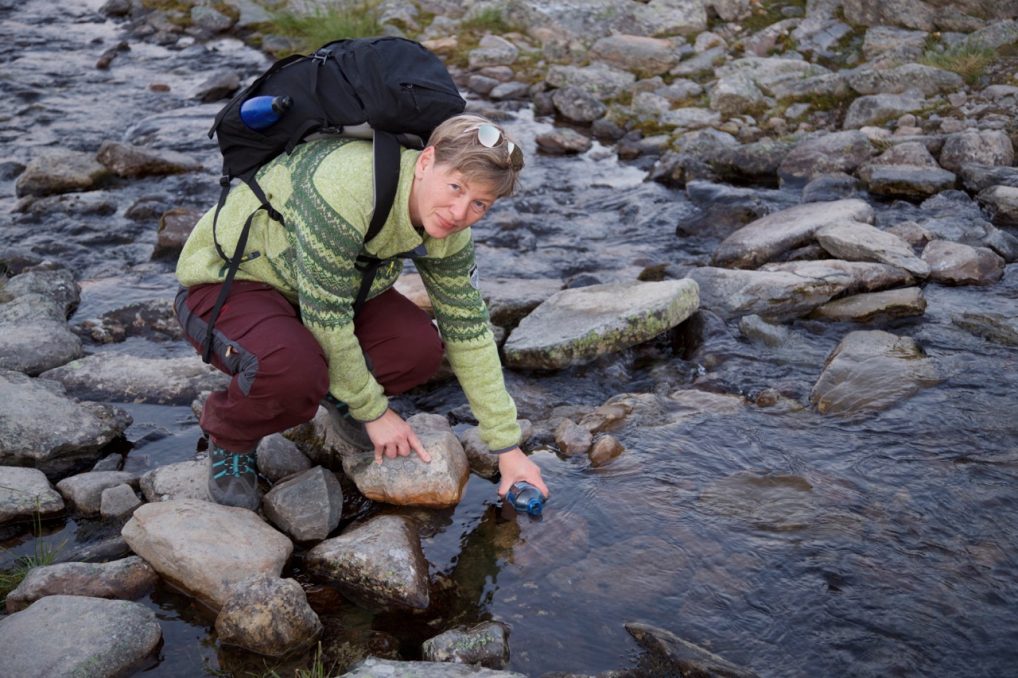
(389, 89)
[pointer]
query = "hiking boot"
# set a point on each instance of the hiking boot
(350, 431)
(233, 480)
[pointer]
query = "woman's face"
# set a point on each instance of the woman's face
(443, 201)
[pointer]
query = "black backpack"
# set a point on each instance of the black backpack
(389, 89)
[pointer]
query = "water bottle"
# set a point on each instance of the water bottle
(525, 497)
(264, 111)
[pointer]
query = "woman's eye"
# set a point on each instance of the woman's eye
(480, 207)
(455, 188)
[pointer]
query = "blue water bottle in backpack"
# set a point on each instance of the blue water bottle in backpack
(264, 111)
(525, 497)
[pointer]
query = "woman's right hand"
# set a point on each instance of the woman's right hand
(393, 437)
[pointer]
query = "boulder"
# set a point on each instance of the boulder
(175, 225)
(999, 328)
(906, 181)
(870, 371)
(57, 285)
(848, 277)
(905, 302)
(118, 502)
(776, 295)
(204, 548)
(25, 493)
(856, 241)
(905, 13)
(927, 80)
(1002, 204)
(486, 644)
(983, 147)
(876, 109)
(278, 458)
(372, 667)
(953, 263)
(604, 450)
(574, 326)
(61, 172)
(83, 492)
(34, 335)
(643, 56)
(826, 153)
(128, 160)
(671, 654)
(563, 141)
(510, 299)
(182, 480)
(577, 105)
(268, 615)
(306, 506)
(125, 579)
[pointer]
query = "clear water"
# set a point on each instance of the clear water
(789, 542)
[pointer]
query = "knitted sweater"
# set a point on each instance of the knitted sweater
(324, 192)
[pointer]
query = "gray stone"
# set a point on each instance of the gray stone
(206, 549)
(770, 236)
(759, 331)
(49, 639)
(61, 172)
(876, 109)
(510, 90)
(575, 326)
(279, 458)
(125, 579)
(183, 480)
(954, 263)
(700, 64)
(57, 285)
(897, 43)
(43, 428)
(35, 336)
(486, 644)
(870, 371)
(907, 181)
(690, 117)
(307, 506)
(906, 153)
(563, 141)
(856, 241)
(978, 177)
(493, 51)
(268, 615)
(577, 105)
(220, 84)
(482, 460)
(600, 80)
(380, 560)
(640, 55)
(898, 303)
(672, 653)
(25, 492)
(997, 33)
(510, 299)
(831, 187)
(127, 160)
(373, 667)
(83, 492)
(1002, 204)
(210, 20)
(984, 147)
(775, 295)
(847, 277)
(928, 80)
(906, 13)
(837, 152)
(737, 94)
(118, 502)
(572, 439)
(996, 327)
(606, 448)
(121, 377)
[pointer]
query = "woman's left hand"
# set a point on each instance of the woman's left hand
(514, 466)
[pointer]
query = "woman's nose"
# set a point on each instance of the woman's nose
(460, 208)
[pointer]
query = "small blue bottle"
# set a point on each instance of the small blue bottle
(525, 497)
(264, 111)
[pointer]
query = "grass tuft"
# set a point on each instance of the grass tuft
(338, 21)
(969, 60)
(44, 555)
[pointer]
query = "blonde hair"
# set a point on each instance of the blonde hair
(457, 145)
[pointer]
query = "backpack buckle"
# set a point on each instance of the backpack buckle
(321, 55)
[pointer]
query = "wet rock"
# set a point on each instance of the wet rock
(279, 458)
(1002, 204)
(510, 299)
(175, 226)
(35, 336)
(408, 481)
(768, 237)
(49, 638)
(482, 461)
(577, 105)
(127, 160)
(57, 285)
(121, 377)
(220, 84)
(373, 667)
(83, 492)
(492, 51)
(848, 277)
(563, 141)
(983, 147)
(154, 320)
(43, 428)
(572, 439)
(870, 371)
(25, 493)
(307, 506)
(996, 327)
(204, 548)
(126, 579)
(604, 450)
(510, 90)
(268, 615)
(836, 152)
(978, 178)
(606, 417)
(898, 303)
(906, 181)
(380, 560)
(118, 502)
(575, 326)
(856, 241)
(637, 54)
(61, 172)
(486, 644)
(673, 654)
(831, 187)
(776, 295)
(183, 480)
(953, 263)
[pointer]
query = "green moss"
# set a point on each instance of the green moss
(341, 20)
(970, 60)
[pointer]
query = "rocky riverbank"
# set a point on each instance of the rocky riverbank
(841, 176)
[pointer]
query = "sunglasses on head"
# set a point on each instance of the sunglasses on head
(489, 136)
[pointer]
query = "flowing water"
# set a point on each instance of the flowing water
(789, 542)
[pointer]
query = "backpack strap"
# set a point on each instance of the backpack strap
(386, 163)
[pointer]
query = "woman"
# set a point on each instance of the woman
(287, 333)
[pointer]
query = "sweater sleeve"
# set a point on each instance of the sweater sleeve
(464, 324)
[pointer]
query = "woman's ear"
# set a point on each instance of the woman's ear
(424, 161)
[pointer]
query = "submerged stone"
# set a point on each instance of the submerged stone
(681, 656)
(486, 644)
(268, 615)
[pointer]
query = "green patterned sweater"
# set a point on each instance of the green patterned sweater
(323, 190)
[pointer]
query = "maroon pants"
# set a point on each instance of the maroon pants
(280, 372)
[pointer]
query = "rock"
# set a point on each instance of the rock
(380, 560)
(407, 481)
(154, 320)
(906, 181)
(906, 153)
(49, 639)
(563, 141)
(907, 13)
(204, 548)
(373, 667)
(480, 457)
(640, 55)
(25, 493)
(700, 64)
(307, 506)
(220, 84)
(953, 263)
(510, 299)
(776, 295)
(125, 579)
(43, 428)
(607, 417)
(121, 377)
(837, 152)
(279, 458)
(575, 326)
(34, 335)
(984, 147)
(898, 303)
(127, 160)
(486, 644)
(118, 502)
(894, 43)
(492, 51)
(268, 615)
(847, 277)
(83, 492)
(598, 79)
(572, 439)
(870, 371)
(672, 654)
(737, 94)
(768, 237)
(211, 20)
(831, 187)
(856, 241)
(995, 327)
(927, 80)
(605, 449)
(577, 105)
(60, 172)
(183, 480)
(978, 178)
(1002, 204)
(57, 285)
(175, 226)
